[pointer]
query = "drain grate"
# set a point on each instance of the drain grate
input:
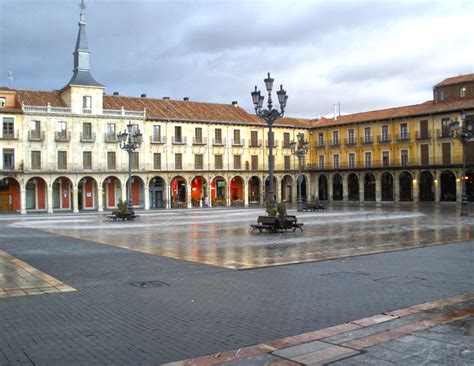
(149, 284)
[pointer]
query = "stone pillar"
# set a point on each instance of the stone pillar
(168, 195)
(146, 197)
(75, 200)
(227, 192)
(316, 188)
(309, 195)
(188, 195)
(378, 187)
(345, 188)
(246, 193)
(124, 192)
(330, 187)
(277, 189)
(100, 198)
(49, 199)
(459, 177)
(437, 187)
(396, 188)
(416, 187)
(361, 187)
(23, 200)
(294, 191)
(262, 191)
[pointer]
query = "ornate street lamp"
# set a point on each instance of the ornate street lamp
(130, 140)
(464, 133)
(270, 115)
(299, 148)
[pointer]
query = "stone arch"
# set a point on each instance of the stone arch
(157, 192)
(304, 189)
(353, 187)
(323, 187)
(337, 187)
(237, 191)
(10, 195)
(254, 190)
(218, 191)
(426, 186)
(387, 186)
(62, 194)
(138, 191)
(36, 195)
(286, 188)
(87, 193)
(470, 185)
(448, 186)
(178, 192)
(199, 191)
(406, 186)
(111, 192)
(369, 187)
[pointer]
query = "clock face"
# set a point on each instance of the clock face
(83, 60)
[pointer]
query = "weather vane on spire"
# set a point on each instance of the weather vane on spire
(83, 7)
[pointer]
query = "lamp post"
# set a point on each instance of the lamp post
(130, 140)
(270, 115)
(464, 134)
(299, 148)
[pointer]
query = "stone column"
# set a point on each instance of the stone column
(100, 198)
(309, 195)
(23, 200)
(416, 187)
(378, 188)
(188, 195)
(316, 188)
(459, 175)
(278, 190)
(437, 187)
(124, 192)
(262, 191)
(146, 197)
(396, 188)
(361, 187)
(227, 192)
(246, 193)
(345, 188)
(50, 199)
(330, 187)
(75, 200)
(294, 191)
(168, 195)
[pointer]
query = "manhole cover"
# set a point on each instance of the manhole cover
(148, 284)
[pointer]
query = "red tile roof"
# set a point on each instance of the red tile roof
(456, 80)
(40, 98)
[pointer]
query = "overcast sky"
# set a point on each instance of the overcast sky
(365, 54)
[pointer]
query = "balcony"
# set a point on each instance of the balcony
(88, 137)
(403, 137)
(9, 136)
(48, 109)
(86, 111)
(179, 140)
(384, 139)
(335, 143)
(255, 143)
(34, 135)
(444, 134)
(110, 137)
(350, 142)
(218, 142)
(200, 141)
(157, 139)
(238, 142)
(275, 143)
(62, 136)
(425, 135)
(368, 140)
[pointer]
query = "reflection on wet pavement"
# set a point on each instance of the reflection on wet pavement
(222, 237)
(18, 278)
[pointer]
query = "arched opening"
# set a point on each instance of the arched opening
(199, 192)
(218, 191)
(426, 187)
(62, 194)
(237, 191)
(323, 188)
(254, 190)
(406, 186)
(267, 187)
(9, 195)
(111, 192)
(138, 188)
(156, 188)
(448, 186)
(36, 190)
(387, 187)
(87, 193)
(353, 187)
(286, 188)
(369, 187)
(470, 185)
(337, 188)
(303, 187)
(178, 192)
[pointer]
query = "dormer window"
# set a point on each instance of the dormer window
(3, 102)
(87, 102)
(462, 91)
(439, 95)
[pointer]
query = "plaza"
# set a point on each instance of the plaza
(175, 285)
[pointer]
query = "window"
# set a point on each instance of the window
(3, 102)
(335, 138)
(218, 161)
(254, 138)
(404, 131)
(367, 135)
(439, 95)
(111, 134)
(385, 158)
(237, 162)
(351, 159)
(385, 135)
(8, 127)
(135, 160)
(8, 159)
(156, 133)
(198, 135)
(350, 136)
(254, 162)
(61, 129)
(36, 160)
(218, 136)
(445, 127)
(177, 134)
(286, 139)
(87, 160)
(236, 137)
(404, 157)
(111, 162)
(335, 160)
(287, 162)
(198, 161)
(35, 129)
(321, 161)
(87, 131)
(86, 102)
(321, 139)
(462, 91)
(157, 161)
(62, 160)
(368, 159)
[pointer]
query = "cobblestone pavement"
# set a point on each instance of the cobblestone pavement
(132, 307)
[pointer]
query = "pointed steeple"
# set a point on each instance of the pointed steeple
(82, 75)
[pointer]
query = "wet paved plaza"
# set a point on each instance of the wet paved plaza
(222, 237)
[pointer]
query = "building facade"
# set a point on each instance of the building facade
(59, 150)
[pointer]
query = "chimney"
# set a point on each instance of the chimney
(116, 93)
(335, 112)
(143, 95)
(339, 109)
(186, 99)
(235, 103)
(166, 98)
